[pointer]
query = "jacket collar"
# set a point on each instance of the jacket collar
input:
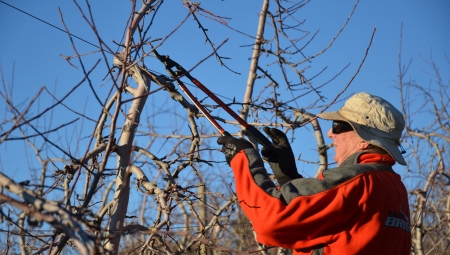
(355, 159)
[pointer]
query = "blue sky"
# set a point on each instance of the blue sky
(34, 48)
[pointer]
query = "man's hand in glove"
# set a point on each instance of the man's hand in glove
(282, 160)
(231, 146)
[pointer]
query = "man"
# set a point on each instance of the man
(359, 207)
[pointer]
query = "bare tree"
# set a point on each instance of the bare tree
(427, 137)
(429, 145)
(106, 193)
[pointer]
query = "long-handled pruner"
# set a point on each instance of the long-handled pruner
(251, 130)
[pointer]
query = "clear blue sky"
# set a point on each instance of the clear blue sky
(34, 49)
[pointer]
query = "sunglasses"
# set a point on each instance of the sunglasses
(340, 127)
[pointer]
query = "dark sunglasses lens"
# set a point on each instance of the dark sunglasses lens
(341, 127)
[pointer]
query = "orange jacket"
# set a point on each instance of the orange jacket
(360, 207)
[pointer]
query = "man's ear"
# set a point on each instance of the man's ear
(363, 145)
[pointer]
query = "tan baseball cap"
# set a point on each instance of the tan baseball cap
(375, 120)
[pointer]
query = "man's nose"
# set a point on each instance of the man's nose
(330, 134)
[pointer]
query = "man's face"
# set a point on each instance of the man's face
(345, 144)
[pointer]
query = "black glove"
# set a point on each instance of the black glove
(232, 145)
(282, 160)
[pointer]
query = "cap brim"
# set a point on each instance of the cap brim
(331, 116)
